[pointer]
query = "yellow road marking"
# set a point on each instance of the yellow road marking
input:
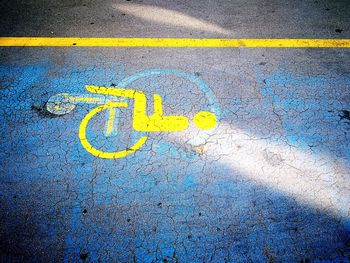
(173, 42)
(107, 155)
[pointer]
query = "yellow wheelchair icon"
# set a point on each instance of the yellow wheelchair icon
(107, 98)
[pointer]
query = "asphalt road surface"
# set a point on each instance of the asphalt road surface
(85, 177)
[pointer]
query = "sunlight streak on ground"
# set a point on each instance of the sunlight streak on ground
(309, 178)
(169, 17)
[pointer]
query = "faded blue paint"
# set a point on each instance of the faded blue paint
(145, 210)
(213, 102)
(306, 135)
(162, 147)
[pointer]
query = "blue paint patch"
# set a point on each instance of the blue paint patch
(308, 106)
(154, 206)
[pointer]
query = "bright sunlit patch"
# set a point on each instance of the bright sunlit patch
(169, 17)
(309, 178)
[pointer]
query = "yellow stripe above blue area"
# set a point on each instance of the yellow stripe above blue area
(173, 42)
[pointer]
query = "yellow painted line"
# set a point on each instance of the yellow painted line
(173, 42)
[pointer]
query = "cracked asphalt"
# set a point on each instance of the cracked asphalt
(271, 182)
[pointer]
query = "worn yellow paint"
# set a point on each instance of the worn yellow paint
(205, 120)
(84, 99)
(141, 121)
(110, 121)
(107, 155)
(157, 122)
(174, 42)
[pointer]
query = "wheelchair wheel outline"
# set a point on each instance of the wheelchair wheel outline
(106, 155)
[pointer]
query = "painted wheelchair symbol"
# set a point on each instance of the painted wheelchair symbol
(108, 98)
